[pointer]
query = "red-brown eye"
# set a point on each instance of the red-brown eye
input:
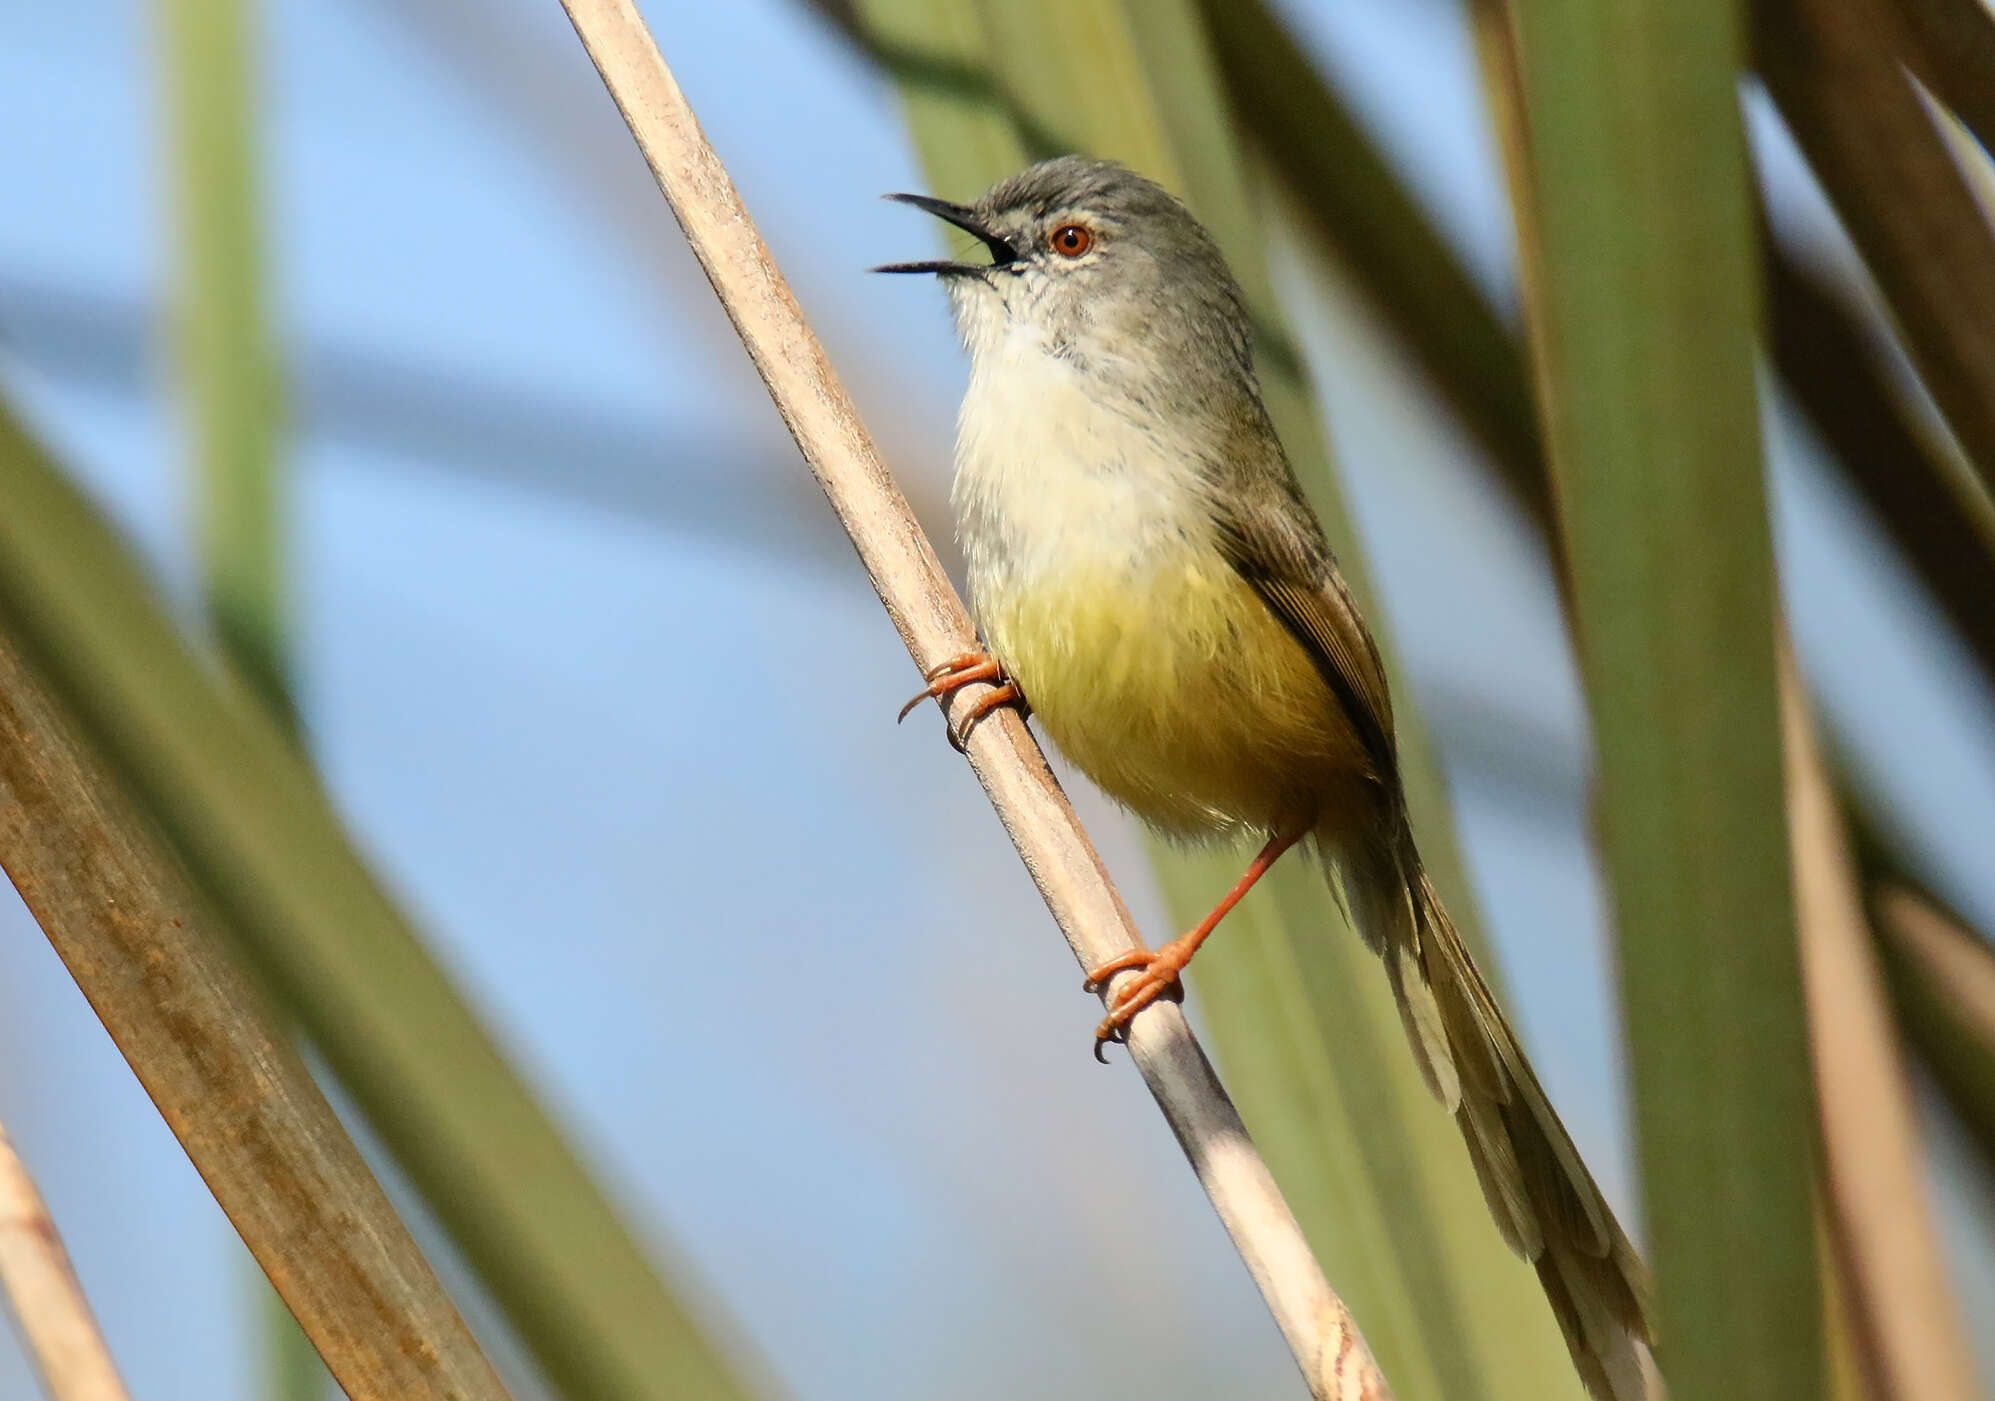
(1071, 240)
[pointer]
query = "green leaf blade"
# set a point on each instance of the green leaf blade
(1647, 316)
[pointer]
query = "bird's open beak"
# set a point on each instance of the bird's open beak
(964, 218)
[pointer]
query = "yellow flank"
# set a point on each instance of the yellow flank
(1176, 690)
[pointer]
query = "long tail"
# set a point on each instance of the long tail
(1543, 1198)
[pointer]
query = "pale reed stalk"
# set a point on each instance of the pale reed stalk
(43, 1292)
(1319, 1328)
(1908, 1323)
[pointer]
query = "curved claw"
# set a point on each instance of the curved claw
(1159, 971)
(960, 671)
(998, 697)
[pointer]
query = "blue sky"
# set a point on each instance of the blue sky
(608, 701)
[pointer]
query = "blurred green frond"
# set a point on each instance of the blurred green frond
(1644, 321)
(148, 953)
(232, 384)
(290, 1364)
(222, 781)
(1940, 521)
(226, 357)
(1359, 207)
(1943, 526)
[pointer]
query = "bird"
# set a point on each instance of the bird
(1148, 578)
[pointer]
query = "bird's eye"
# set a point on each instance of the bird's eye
(1071, 240)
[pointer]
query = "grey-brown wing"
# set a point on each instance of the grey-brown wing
(1275, 545)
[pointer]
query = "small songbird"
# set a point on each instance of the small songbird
(1151, 582)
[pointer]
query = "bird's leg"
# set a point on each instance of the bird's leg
(960, 671)
(1161, 967)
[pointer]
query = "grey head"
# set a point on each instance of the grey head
(1103, 267)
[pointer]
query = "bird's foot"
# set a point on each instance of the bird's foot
(960, 671)
(1161, 967)
(1160, 970)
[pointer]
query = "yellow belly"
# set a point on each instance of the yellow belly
(1177, 692)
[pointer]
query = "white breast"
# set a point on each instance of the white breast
(1048, 482)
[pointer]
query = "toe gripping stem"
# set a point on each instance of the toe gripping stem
(1159, 969)
(1159, 972)
(960, 671)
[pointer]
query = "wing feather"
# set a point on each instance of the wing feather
(1295, 575)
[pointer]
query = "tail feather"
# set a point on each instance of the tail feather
(1426, 1025)
(1501, 1175)
(1544, 1201)
(1377, 907)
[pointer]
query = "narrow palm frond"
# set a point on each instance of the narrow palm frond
(1643, 320)
(227, 359)
(221, 779)
(1941, 522)
(151, 958)
(1358, 206)
(231, 382)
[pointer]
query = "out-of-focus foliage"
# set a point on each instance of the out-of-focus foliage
(211, 766)
(1943, 974)
(232, 383)
(227, 363)
(1644, 326)
(1640, 257)
(1836, 69)
(145, 950)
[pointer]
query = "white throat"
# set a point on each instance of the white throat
(1051, 479)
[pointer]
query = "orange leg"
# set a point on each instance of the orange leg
(960, 671)
(1161, 967)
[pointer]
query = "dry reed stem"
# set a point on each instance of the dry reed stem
(147, 953)
(45, 1296)
(1909, 1330)
(1320, 1330)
